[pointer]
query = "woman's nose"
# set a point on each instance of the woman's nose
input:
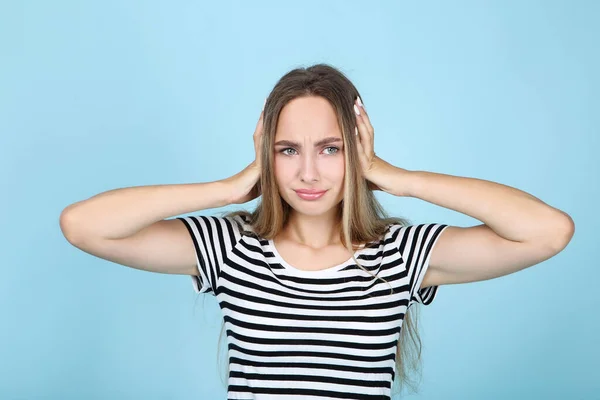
(309, 170)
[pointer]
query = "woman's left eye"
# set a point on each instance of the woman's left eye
(333, 147)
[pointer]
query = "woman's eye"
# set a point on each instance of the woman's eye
(333, 147)
(284, 151)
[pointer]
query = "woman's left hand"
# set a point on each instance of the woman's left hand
(374, 168)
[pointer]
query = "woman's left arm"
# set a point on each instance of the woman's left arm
(518, 229)
(511, 213)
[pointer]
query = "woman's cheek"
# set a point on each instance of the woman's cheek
(285, 168)
(335, 165)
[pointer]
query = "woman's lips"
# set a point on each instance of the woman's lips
(310, 195)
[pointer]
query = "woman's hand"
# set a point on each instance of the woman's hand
(245, 185)
(374, 168)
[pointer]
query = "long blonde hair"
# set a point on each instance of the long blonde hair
(362, 217)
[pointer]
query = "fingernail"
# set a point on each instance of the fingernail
(355, 130)
(356, 110)
(360, 103)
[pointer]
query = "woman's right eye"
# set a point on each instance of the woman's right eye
(284, 151)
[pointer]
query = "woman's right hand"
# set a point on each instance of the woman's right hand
(245, 185)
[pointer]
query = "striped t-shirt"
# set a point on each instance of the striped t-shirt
(299, 334)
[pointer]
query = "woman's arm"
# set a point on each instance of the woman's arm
(512, 213)
(519, 230)
(120, 213)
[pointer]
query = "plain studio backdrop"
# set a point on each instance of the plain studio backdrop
(101, 95)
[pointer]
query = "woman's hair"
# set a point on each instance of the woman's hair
(362, 218)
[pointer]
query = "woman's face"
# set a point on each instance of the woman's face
(308, 155)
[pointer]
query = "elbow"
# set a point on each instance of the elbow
(563, 233)
(67, 224)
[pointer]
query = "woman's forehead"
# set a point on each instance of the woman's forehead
(307, 118)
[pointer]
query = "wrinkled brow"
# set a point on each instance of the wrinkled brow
(321, 142)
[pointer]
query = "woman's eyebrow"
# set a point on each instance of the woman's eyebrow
(321, 142)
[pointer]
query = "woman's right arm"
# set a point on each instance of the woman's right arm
(128, 226)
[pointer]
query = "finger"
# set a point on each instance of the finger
(365, 116)
(257, 138)
(365, 137)
(362, 157)
(361, 151)
(259, 124)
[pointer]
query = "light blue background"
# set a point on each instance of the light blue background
(101, 95)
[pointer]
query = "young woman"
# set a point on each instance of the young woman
(316, 283)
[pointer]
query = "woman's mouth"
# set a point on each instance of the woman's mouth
(310, 194)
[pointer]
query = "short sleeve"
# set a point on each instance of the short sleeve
(416, 245)
(213, 237)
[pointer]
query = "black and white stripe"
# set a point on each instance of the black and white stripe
(326, 334)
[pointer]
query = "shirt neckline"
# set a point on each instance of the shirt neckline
(315, 273)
